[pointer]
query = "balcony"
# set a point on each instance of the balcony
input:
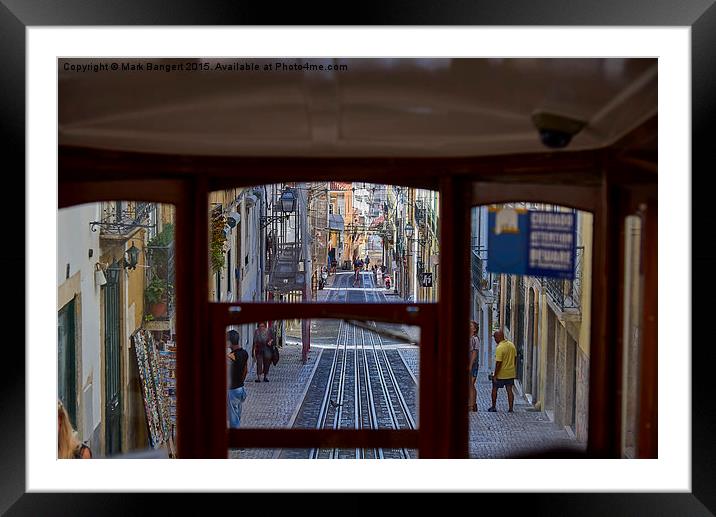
(121, 219)
(482, 280)
(159, 290)
(566, 294)
(420, 214)
(284, 273)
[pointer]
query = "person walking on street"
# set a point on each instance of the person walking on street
(474, 365)
(367, 262)
(357, 266)
(238, 369)
(505, 372)
(261, 351)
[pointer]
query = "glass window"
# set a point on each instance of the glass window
(546, 381)
(116, 326)
(357, 375)
(325, 242)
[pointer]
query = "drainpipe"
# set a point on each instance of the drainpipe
(308, 265)
(261, 191)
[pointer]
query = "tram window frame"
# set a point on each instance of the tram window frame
(223, 315)
(84, 176)
(74, 192)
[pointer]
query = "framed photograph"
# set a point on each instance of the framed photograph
(577, 108)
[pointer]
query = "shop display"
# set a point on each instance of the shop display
(168, 378)
(156, 404)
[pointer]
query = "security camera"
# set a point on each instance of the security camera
(556, 131)
(233, 218)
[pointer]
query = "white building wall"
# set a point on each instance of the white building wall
(251, 277)
(484, 312)
(75, 239)
(249, 285)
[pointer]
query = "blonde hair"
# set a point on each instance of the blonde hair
(67, 442)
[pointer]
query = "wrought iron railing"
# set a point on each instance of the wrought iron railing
(567, 294)
(420, 213)
(284, 274)
(159, 282)
(120, 219)
(482, 280)
(433, 221)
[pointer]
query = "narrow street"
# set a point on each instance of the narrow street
(355, 378)
(366, 377)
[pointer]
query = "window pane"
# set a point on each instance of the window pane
(544, 318)
(358, 375)
(116, 326)
(324, 242)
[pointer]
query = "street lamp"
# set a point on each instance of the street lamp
(409, 230)
(132, 257)
(112, 273)
(288, 201)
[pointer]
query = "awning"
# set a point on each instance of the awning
(335, 222)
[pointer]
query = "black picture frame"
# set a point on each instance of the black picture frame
(17, 15)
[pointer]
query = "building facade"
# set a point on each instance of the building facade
(547, 320)
(104, 273)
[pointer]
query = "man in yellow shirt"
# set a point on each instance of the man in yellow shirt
(505, 371)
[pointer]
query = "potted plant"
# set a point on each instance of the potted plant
(158, 250)
(157, 295)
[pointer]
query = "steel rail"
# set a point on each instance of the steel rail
(323, 412)
(338, 412)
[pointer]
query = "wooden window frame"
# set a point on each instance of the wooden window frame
(596, 181)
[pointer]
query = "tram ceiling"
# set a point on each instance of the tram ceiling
(377, 108)
(577, 167)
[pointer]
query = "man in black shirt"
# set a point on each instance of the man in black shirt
(238, 368)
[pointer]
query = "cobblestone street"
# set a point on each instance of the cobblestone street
(276, 404)
(503, 434)
(492, 435)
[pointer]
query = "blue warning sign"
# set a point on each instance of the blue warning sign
(532, 243)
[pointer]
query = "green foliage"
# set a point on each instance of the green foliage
(216, 253)
(163, 238)
(158, 250)
(158, 291)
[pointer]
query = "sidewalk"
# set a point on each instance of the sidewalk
(503, 434)
(274, 404)
(322, 294)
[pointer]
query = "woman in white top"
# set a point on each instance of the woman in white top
(474, 365)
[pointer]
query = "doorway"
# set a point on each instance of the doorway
(112, 362)
(66, 360)
(551, 360)
(520, 331)
(530, 358)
